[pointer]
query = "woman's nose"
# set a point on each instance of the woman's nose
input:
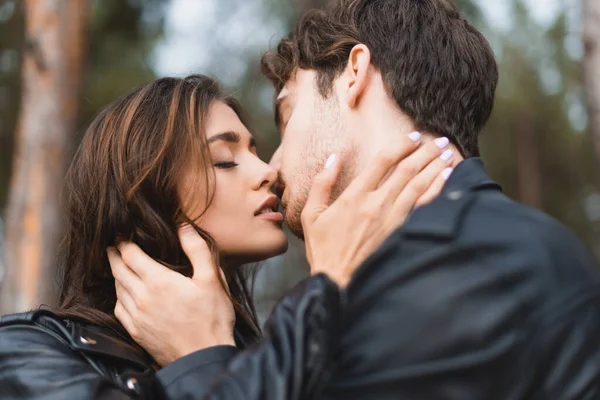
(268, 176)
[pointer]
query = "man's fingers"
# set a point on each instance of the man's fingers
(139, 262)
(198, 252)
(435, 188)
(121, 272)
(373, 175)
(319, 196)
(125, 318)
(125, 297)
(434, 153)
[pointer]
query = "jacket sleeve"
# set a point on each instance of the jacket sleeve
(293, 360)
(460, 321)
(191, 376)
(432, 324)
(36, 365)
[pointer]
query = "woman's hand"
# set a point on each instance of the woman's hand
(165, 312)
(340, 236)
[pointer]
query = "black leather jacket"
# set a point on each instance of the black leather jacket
(475, 297)
(44, 357)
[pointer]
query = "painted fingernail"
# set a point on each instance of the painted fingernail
(415, 136)
(447, 155)
(330, 161)
(442, 142)
(446, 173)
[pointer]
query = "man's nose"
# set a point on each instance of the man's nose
(276, 159)
(275, 162)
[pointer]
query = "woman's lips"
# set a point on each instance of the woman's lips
(271, 216)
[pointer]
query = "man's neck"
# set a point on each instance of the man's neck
(383, 130)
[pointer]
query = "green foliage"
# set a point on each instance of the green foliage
(122, 35)
(469, 10)
(540, 83)
(11, 45)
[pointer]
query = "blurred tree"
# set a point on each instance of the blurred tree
(121, 41)
(123, 35)
(11, 44)
(11, 41)
(591, 39)
(55, 35)
(301, 6)
(534, 144)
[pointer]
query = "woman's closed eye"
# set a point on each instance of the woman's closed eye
(225, 164)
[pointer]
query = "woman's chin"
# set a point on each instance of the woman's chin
(271, 242)
(271, 249)
(256, 252)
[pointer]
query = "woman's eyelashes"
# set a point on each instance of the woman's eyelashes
(225, 164)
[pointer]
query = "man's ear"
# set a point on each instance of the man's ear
(357, 71)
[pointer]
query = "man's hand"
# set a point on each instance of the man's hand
(340, 236)
(165, 312)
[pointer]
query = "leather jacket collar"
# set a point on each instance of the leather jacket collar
(84, 338)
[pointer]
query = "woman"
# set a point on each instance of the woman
(173, 152)
(143, 169)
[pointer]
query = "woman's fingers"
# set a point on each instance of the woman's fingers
(435, 188)
(319, 196)
(417, 171)
(419, 185)
(429, 182)
(373, 175)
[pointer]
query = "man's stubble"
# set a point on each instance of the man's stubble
(327, 135)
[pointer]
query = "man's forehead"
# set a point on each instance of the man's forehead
(282, 102)
(289, 88)
(299, 79)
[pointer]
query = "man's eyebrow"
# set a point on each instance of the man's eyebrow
(230, 137)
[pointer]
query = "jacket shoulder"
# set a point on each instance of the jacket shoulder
(464, 215)
(495, 230)
(34, 360)
(40, 353)
(22, 338)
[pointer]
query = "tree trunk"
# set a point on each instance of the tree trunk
(591, 66)
(528, 163)
(55, 32)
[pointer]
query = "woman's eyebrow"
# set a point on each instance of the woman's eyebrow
(230, 137)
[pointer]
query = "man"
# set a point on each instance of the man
(475, 296)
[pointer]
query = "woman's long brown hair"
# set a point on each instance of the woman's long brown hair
(123, 185)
